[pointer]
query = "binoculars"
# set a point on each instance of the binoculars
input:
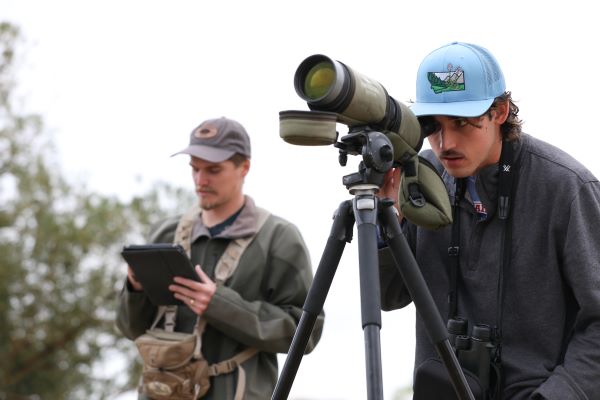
(474, 350)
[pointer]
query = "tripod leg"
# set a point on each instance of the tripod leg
(341, 233)
(413, 279)
(365, 212)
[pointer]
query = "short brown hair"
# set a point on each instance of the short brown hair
(238, 159)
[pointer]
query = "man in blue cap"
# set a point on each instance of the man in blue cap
(519, 268)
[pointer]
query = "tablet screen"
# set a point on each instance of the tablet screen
(155, 266)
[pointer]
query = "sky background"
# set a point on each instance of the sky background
(120, 85)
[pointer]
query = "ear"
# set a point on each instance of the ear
(500, 112)
(245, 167)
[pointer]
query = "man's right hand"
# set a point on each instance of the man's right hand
(391, 185)
(135, 284)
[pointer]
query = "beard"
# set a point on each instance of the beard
(208, 205)
(208, 199)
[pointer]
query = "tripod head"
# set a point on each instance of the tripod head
(376, 151)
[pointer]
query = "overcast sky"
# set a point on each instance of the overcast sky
(120, 85)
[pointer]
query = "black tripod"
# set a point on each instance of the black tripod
(366, 210)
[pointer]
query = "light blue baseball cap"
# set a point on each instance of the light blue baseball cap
(458, 79)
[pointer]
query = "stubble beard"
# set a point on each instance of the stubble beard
(208, 205)
(213, 201)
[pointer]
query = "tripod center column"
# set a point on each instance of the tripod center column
(365, 212)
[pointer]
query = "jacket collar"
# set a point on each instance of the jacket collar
(243, 226)
(486, 182)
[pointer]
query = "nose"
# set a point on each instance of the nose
(200, 179)
(446, 138)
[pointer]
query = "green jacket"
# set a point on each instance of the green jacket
(259, 306)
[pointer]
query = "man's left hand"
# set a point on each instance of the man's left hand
(196, 295)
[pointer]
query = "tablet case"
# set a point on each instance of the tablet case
(155, 265)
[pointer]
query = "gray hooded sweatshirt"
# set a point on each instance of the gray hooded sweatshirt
(551, 308)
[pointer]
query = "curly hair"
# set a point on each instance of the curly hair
(511, 128)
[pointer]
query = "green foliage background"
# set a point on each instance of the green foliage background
(60, 268)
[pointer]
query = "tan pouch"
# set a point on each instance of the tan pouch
(173, 365)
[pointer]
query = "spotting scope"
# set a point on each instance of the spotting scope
(335, 93)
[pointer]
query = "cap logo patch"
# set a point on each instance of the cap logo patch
(205, 131)
(451, 81)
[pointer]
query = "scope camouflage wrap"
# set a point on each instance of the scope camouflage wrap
(423, 198)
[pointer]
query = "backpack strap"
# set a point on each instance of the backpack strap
(227, 366)
(231, 256)
(169, 312)
(183, 232)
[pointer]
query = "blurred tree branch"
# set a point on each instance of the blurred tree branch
(60, 268)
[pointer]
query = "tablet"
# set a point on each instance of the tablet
(155, 266)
